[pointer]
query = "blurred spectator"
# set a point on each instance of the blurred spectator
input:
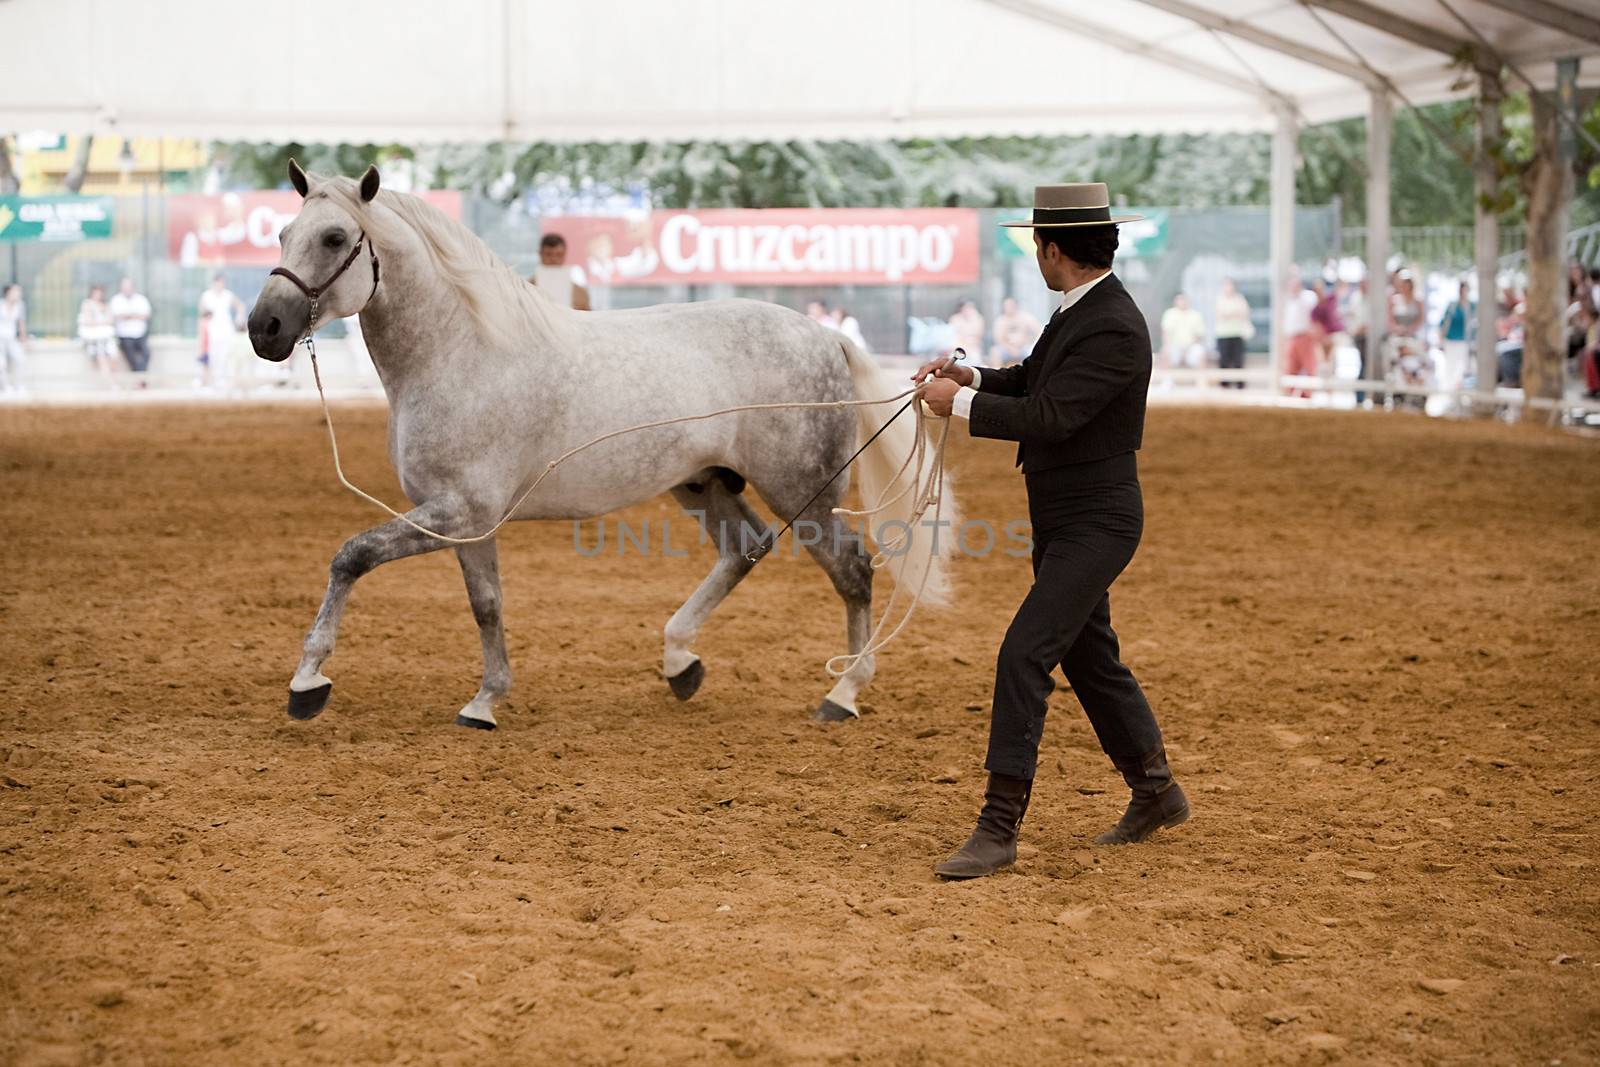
(1183, 334)
(846, 324)
(1456, 330)
(818, 312)
(968, 325)
(95, 330)
(221, 315)
(1015, 333)
(1409, 358)
(555, 279)
(1509, 349)
(130, 312)
(1234, 328)
(1328, 315)
(1303, 340)
(1405, 311)
(1589, 357)
(13, 336)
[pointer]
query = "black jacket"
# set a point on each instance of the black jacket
(1080, 395)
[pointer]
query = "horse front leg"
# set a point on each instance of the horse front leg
(481, 568)
(309, 689)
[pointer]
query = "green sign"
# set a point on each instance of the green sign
(1140, 240)
(55, 218)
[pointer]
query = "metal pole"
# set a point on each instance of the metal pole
(144, 236)
(1281, 233)
(1486, 236)
(1380, 129)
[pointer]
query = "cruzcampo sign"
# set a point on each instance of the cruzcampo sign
(55, 218)
(1139, 240)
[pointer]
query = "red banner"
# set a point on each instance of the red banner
(866, 246)
(241, 229)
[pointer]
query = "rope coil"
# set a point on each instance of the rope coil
(929, 487)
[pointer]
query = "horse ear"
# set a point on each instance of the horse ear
(369, 183)
(297, 178)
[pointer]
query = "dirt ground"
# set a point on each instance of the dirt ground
(1373, 641)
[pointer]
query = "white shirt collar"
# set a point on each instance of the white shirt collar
(1072, 296)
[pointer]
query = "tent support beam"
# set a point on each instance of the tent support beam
(1245, 31)
(1395, 26)
(1486, 235)
(1285, 139)
(1132, 45)
(1555, 16)
(1380, 132)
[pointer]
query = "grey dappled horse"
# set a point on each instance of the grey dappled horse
(488, 381)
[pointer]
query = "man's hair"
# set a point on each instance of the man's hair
(1087, 246)
(552, 240)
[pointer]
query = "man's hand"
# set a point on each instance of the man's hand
(944, 367)
(941, 392)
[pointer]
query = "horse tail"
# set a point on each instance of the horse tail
(913, 551)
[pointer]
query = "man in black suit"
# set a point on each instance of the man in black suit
(1075, 407)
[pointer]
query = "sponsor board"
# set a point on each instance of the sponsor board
(241, 229)
(55, 218)
(779, 246)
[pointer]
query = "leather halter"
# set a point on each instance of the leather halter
(314, 292)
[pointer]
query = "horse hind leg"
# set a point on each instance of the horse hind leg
(843, 556)
(841, 553)
(735, 528)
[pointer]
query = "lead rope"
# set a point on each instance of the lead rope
(930, 490)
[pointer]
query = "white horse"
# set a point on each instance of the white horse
(488, 381)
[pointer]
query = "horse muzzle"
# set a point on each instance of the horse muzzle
(276, 323)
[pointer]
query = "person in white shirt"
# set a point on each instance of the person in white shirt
(13, 335)
(555, 279)
(1234, 328)
(95, 331)
(846, 324)
(130, 314)
(221, 315)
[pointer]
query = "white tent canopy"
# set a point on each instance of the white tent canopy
(605, 70)
(417, 71)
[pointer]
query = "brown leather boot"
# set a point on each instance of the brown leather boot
(1157, 801)
(993, 844)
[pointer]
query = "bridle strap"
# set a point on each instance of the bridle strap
(314, 292)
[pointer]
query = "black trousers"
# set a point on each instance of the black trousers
(136, 350)
(1230, 356)
(1087, 520)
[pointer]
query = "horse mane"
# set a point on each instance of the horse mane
(502, 305)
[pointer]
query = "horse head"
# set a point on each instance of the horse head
(313, 282)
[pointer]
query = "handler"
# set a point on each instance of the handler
(1076, 408)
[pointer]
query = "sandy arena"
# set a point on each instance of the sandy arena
(1374, 643)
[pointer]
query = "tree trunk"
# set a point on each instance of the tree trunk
(1548, 183)
(80, 164)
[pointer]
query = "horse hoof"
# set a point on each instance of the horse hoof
(828, 711)
(686, 683)
(476, 724)
(308, 703)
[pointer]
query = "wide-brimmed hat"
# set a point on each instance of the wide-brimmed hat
(1073, 204)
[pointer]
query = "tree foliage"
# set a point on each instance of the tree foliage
(1432, 185)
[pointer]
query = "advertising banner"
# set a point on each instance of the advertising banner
(779, 246)
(241, 229)
(55, 218)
